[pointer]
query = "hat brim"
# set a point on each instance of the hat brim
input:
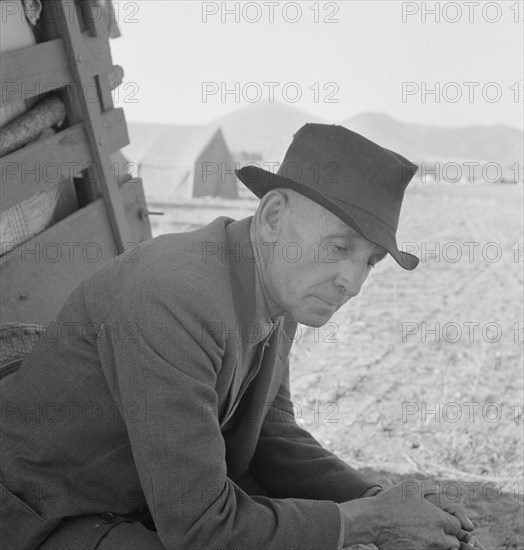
(261, 181)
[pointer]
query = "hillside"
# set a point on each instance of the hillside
(264, 128)
(420, 142)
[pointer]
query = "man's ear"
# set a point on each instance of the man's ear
(271, 214)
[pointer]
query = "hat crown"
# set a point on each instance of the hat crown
(349, 168)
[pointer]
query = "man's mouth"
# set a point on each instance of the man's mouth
(329, 303)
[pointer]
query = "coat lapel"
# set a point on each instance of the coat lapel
(241, 440)
(237, 249)
(246, 415)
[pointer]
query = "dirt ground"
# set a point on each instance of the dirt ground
(421, 375)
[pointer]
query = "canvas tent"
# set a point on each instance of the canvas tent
(181, 162)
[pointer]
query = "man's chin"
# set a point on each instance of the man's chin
(315, 319)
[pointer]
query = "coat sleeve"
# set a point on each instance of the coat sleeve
(290, 463)
(178, 449)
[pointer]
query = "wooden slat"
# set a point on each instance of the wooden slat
(38, 166)
(106, 97)
(52, 30)
(87, 190)
(94, 123)
(33, 286)
(29, 282)
(31, 71)
(135, 204)
(96, 26)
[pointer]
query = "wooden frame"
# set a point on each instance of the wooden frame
(74, 58)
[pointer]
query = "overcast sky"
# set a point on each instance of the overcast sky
(337, 58)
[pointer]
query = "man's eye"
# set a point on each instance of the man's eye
(336, 248)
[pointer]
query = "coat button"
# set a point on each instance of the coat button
(107, 517)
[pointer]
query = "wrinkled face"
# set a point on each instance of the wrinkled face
(317, 262)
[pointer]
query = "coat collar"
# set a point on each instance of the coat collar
(254, 319)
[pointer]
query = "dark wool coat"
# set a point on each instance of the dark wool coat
(136, 397)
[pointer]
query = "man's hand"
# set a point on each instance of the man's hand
(401, 518)
(468, 540)
(438, 499)
(410, 521)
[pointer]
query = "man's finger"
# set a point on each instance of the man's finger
(452, 526)
(459, 513)
(450, 508)
(452, 543)
(463, 535)
(469, 541)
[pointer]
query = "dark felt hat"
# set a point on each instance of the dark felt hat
(359, 181)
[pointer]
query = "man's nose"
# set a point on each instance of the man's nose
(351, 277)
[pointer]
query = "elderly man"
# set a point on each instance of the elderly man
(161, 417)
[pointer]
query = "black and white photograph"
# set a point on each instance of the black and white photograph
(261, 275)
